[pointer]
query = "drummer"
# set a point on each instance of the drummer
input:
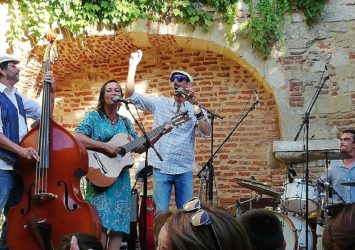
(341, 173)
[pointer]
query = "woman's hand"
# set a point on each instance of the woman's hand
(110, 151)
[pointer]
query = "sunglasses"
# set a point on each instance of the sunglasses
(201, 218)
(178, 78)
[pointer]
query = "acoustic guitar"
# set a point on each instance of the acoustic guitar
(103, 170)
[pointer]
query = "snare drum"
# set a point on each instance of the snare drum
(294, 230)
(294, 197)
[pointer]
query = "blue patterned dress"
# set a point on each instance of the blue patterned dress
(114, 202)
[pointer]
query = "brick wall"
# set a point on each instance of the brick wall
(225, 78)
(222, 86)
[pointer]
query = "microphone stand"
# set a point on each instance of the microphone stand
(209, 164)
(209, 185)
(148, 144)
(305, 122)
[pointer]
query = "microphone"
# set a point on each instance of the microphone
(291, 173)
(183, 92)
(257, 99)
(119, 99)
(331, 189)
(326, 185)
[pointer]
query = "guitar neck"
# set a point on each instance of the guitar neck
(141, 140)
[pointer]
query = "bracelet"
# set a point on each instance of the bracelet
(199, 116)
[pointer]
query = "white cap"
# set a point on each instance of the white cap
(8, 58)
(180, 72)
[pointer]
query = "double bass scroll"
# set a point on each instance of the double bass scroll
(52, 205)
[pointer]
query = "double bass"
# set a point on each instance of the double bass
(51, 205)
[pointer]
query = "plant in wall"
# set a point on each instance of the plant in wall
(30, 19)
(266, 23)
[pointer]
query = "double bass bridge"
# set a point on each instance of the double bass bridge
(44, 196)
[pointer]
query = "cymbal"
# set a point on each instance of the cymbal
(326, 154)
(260, 189)
(253, 182)
(350, 184)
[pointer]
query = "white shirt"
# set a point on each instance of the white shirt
(32, 110)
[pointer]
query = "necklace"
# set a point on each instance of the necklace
(112, 120)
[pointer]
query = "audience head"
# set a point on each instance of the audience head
(83, 242)
(203, 229)
(264, 229)
(159, 220)
(339, 232)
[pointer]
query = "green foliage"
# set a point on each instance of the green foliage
(267, 19)
(30, 19)
(264, 28)
(229, 20)
(312, 8)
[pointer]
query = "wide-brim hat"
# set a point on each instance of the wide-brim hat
(8, 58)
(181, 72)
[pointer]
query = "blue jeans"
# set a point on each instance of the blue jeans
(10, 194)
(163, 184)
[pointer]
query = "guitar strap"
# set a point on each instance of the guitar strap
(127, 126)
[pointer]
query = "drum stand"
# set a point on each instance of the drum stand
(239, 205)
(305, 123)
(328, 188)
(209, 168)
(209, 164)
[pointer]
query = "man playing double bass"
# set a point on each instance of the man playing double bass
(14, 110)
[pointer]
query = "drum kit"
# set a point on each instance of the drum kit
(291, 208)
